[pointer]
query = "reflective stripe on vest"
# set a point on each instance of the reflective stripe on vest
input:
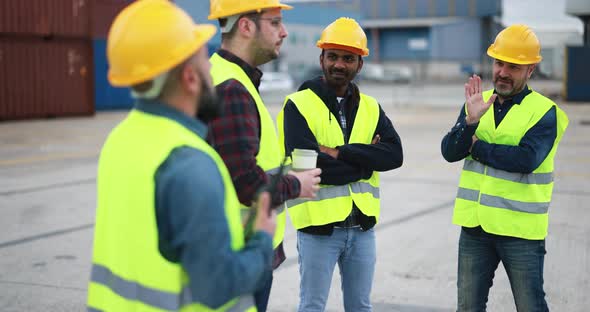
(364, 187)
(525, 178)
(327, 131)
(502, 202)
(331, 192)
(160, 299)
(499, 202)
(129, 273)
(134, 291)
(269, 154)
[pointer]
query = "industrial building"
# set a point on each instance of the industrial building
(409, 40)
(435, 38)
(439, 39)
(304, 23)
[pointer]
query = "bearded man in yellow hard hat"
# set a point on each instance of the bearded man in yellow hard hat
(244, 134)
(355, 141)
(168, 235)
(508, 137)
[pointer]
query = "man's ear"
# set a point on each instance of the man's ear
(531, 69)
(189, 79)
(246, 27)
(360, 64)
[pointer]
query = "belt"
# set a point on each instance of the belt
(350, 222)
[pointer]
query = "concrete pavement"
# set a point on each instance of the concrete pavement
(47, 202)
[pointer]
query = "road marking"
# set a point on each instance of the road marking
(46, 235)
(42, 285)
(46, 158)
(46, 187)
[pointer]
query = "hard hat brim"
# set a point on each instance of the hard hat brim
(337, 46)
(497, 56)
(237, 11)
(202, 32)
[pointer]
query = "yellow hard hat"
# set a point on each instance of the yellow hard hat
(224, 8)
(344, 34)
(516, 44)
(150, 37)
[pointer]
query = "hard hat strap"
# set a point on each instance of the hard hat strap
(231, 20)
(154, 91)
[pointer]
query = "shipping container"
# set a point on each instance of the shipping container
(45, 77)
(59, 18)
(103, 14)
(70, 18)
(107, 97)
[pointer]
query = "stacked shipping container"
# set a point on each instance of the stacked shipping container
(46, 55)
(106, 96)
(45, 78)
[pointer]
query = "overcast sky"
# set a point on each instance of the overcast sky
(539, 14)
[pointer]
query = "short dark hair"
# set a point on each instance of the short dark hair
(253, 16)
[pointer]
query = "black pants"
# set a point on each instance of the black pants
(262, 294)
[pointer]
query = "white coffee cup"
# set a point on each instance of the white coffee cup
(304, 159)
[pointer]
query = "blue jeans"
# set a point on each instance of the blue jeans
(479, 255)
(354, 251)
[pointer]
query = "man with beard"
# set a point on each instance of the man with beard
(168, 234)
(508, 137)
(244, 134)
(355, 140)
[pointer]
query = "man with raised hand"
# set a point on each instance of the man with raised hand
(507, 137)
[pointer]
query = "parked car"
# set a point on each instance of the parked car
(313, 72)
(276, 81)
(382, 73)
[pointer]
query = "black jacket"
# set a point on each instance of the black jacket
(355, 161)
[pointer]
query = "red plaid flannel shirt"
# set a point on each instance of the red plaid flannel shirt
(236, 137)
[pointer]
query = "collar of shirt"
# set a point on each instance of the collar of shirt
(253, 73)
(163, 110)
(500, 110)
(517, 98)
(331, 93)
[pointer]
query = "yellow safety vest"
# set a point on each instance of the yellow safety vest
(268, 157)
(502, 202)
(128, 271)
(333, 203)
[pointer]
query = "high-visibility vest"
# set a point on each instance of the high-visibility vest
(333, 203)
(509, 203)
(268, 157)
(128, 271)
